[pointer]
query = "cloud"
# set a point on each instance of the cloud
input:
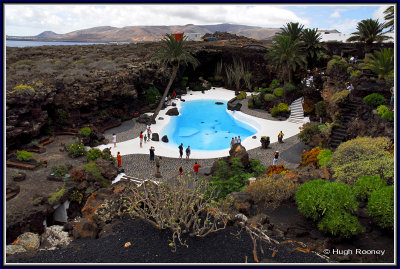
(66, 18)
(346, 26)
(335, 14)
(378, 13)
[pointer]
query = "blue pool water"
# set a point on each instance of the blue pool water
(204, 125)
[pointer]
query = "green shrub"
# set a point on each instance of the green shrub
(338, 97)
(257, 102)
(274, 83)
(60, 170)
(340, 224)
(336, 64)
(61, 117)
(307, 131)
(278, 92)
(269, 97)
(355, 73)
(23, 155)
(95, 172)
(388, 115)
(152, 96)
(330, 204)
(324, 157)
(198, 88)
(365, 185)
(257, 168)
(281, 110)
(76, 149)
(362, 156)
(289, 87)
(85, 131)
(282, 107)
(382, 109)
(54, 197)
(267, 90)
(184, 81)
(381, 207)
(242, 95)
(24, 88)
(250, 104)
(320, 109)
(93, 154)
(374, 100)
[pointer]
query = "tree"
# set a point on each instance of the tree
(293, 30)
(380, 62)
(389, 18)
(368, 31)
(288, 55)
(312, 44)
(172, 52)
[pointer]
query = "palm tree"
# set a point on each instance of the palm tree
(312, 45)
(292, 29)
(172, 52)
(288, 55)
(369, 31)
(381, 62)
(389, 17)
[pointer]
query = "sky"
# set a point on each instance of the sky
(33, 19)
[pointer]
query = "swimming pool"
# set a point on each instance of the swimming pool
(205, 125)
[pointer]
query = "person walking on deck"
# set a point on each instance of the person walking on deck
(280, 137)
(152, 149)
(114, 140)
(141, 138)
(119, 159)
(276, 155)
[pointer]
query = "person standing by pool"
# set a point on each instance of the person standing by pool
(196, 170)
(141, 138)
(149, 134)
(280, 137)
(152, 149)
(235, 141)
(119, 160)
(114, 140)
(158, 161)
(276, 155)
(239, 140)
(180, 150)
(232, 142)
(188, 152)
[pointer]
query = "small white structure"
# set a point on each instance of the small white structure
(193, 36)
(336, 36)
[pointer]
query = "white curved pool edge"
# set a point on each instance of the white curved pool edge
(263, 127)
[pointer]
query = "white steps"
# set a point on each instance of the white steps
(296, 111)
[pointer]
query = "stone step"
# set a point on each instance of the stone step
(295, 120)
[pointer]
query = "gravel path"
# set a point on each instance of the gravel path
(139, 165)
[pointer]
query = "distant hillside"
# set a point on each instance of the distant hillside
(149, 33)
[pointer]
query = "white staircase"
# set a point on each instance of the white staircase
(296, 111)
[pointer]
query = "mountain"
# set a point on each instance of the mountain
(150, 33)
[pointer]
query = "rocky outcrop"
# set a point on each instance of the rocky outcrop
(164, 139)
(172, 112)
(30, 241)
(53, 237)
(242, 202)
(238, 151)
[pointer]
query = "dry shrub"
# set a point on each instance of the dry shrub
(272, 191)
(308, 106)
(78, 175)
(276, 170)
(311, 157)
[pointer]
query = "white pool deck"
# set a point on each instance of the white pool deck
(263, 127)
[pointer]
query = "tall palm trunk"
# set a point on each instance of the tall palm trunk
(172, 78)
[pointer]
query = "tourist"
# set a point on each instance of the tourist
(276, 155)
(141, 138)
(180, 169)
(355, 60)
(180, 150)
(232, 142)
(149, 134)
(119, 160)
(239, 140)
(166, 101)
(158, 161)
(349, 86)
(351, 60)
(280, 137)
(235, 141)
(173, 94)
(196, 170)
(152, 149)
(145, 138)
(188, 152)
(114, 140)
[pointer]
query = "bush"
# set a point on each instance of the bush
(184, 81)
(267, 90)
(242, 95)
(374, 100)
(277, 170)
(92, 169)
(61, 117)
(388, 115)
(381, 207)
(365, 185)
(362, 156)
(78, 175)
(152, 96)
(274, 83)
(24, 156)
(76, 149)
(382, 109)
(289, 87)
(54, 197)
(324, 156)
(311, 157)
(24, 89)
(269, 97)
(60, 170)
(198, 88)
(339, 97)
(85, 131)
(307, 131)
(281, 110)
(330, 204)
(271, 191)
(278, 92)
(257, 102)
(308, 106)
(250, 104)
(93, 154)
(340, 224)
(336, 64)
(257, 168)
(320, 109)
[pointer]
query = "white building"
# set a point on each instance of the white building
(334, 35)
(193, 36)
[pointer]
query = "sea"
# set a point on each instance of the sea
(26, 43)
